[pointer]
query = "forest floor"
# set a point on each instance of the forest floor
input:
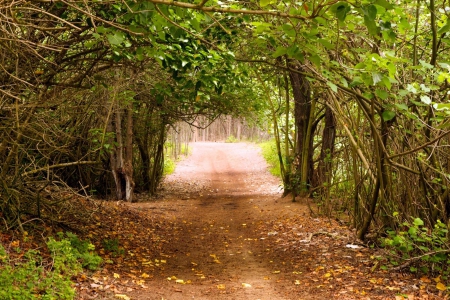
(220, 230)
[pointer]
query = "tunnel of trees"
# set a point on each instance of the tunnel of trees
(356, 95)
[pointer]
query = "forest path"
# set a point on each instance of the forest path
(219, 219)
(222, 231)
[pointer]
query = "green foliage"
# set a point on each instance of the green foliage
(186, 149)
(83, 251)
(231, 139)
(30, 278)
(269, 152)
(169, 165)
(428, 247)
(112, 245)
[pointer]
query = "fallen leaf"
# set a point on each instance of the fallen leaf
(425, 279)
(180, 281)
(276, 272)
(116, 275)
(297, 282)
(145, 275)
(440, 286)
(221, 286)
(122, 296)
(246, 285)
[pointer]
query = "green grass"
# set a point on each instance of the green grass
(169, 165)
(269, 152)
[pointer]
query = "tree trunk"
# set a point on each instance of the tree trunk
(322, 174)
(303, 162)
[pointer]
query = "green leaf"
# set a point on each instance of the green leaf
(418, 222)
(279, 52)
(384, 3)
(444, 28)
(401, 106)
(326, 44)
(387, 83)
(332, 86)
(371, 12)
(115, 39)
(315, 59)
(382, 94)
(392, 69)
(340, 10)
(426, 65)
(264, 3)
(442, 106)
(371, 26)
(388, 115)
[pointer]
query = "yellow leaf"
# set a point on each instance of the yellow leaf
(145, 275)
(122, 296)
(326, 275)
(163, 261)
(180, 281)
(437, 279)
(246, 285)
(116, 275)
(221, 286)
(440, 286)
(276, 272)
(297, 282)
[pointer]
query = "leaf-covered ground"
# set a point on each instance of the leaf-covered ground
(221, 231)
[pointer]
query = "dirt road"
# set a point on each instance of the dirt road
(221, 231)
(220, 252)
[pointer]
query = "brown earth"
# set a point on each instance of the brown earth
(222, 231)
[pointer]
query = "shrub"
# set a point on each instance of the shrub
(30, 277)
(269, 152)
(421, 248)
(231, 139)
(169, 166)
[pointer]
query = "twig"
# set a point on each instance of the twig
(412, 260)
(60, 166)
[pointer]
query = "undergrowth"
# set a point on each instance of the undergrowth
(419, 248)
(269, 152)
(27, 275)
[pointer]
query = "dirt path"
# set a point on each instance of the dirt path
(221, 231)
(220, 222)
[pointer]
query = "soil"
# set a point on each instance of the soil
(221, 230)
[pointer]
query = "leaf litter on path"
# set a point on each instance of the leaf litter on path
(201, 243)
